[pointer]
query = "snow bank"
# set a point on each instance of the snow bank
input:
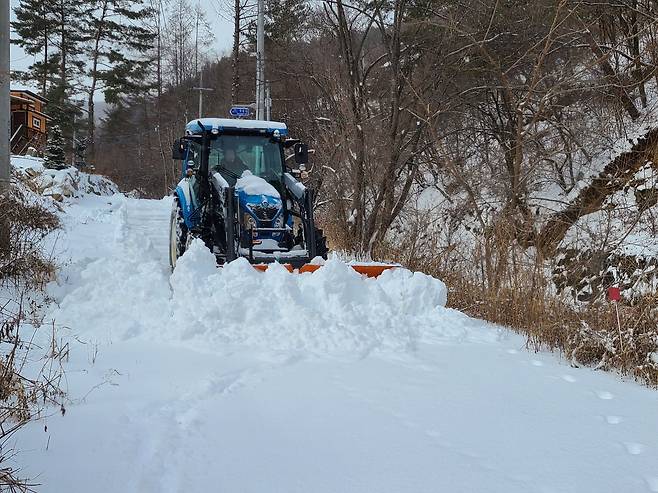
(59, 184)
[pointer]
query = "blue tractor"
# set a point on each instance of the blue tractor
(239, 194)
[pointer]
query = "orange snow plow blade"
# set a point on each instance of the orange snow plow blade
(366, 270)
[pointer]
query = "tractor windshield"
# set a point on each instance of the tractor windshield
(231, 155)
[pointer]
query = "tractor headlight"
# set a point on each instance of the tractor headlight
(278, 222)
(249, 223)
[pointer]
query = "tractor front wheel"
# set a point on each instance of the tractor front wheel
(178, 234)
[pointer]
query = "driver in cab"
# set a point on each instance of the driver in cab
(232, 162)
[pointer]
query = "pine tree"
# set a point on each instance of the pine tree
(287, 20)
(118, 41)
(53, 29)
(35, 25)
(54, 156)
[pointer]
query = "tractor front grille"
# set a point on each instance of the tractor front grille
(264, 213)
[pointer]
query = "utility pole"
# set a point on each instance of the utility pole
(196, 64)
(260, 61)
(5, 114)
(268, 101)
(235, 62)
(201, 89)
(73, 146)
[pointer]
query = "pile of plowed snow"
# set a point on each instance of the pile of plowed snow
(132, 294)
(330, 309)
(59, 184)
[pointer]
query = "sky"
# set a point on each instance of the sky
(217, 12)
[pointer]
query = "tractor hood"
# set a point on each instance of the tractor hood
(257, 196)
(250, 184)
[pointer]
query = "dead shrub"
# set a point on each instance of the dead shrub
(30, 374)
(586, 334)
(31, 377)
(23, 226)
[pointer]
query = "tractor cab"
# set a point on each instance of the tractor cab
(231, 154)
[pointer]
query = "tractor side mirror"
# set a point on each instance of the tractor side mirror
(178, 150)
(301, 154)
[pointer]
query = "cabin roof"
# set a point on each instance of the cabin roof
(222, 124)
(29, 93)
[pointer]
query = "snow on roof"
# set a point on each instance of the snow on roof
(229, 123)
(30, 92)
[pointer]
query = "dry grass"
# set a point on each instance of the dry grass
(30, 374)
(30, 382)
(500, 282)
(22, 228)
(589, 336)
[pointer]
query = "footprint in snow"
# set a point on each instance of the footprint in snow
(652, 483)
(536, 362)
(568, 378)
(512, 351)
(436, 436)
(634, 448)
(604, 395)
(520, 477)
(410, 424)
(614, 420)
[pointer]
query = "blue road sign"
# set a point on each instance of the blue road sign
(240, 111)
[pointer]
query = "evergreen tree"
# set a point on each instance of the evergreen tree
(54, 30)
(118, 41)
(65, 113)
(287, 20)
(35, 25)
(54, 156)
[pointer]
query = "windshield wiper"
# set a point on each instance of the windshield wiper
(232, 174)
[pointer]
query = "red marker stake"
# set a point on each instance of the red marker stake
(614, 295)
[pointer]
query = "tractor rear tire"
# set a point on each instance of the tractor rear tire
(178, 234)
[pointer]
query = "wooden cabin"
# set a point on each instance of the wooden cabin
(29, 123)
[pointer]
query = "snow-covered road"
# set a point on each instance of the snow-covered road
(237, 381)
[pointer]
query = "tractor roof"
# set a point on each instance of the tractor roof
(224, 124)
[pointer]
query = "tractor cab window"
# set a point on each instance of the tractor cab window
(192, 157)
(231, 155)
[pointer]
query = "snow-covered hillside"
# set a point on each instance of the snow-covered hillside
(232, 380)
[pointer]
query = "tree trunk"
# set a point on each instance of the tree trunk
(95, 55)
(63, 46)
(235, 83)
(613, 178)
(617, 87)
(159, 59)
(44, 80)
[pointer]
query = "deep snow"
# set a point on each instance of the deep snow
(232, 380)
